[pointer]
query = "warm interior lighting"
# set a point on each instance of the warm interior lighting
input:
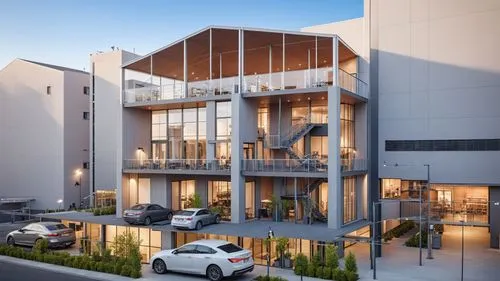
(59, 201)
(78, 172)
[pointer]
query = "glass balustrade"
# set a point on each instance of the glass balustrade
(177, 164)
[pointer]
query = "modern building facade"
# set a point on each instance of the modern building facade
(44, 125)
(105, 81)
(262, 125)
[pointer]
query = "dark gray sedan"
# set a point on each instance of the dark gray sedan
(146, 214)
(57, 234)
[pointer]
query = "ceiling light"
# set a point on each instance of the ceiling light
(288, 68)
(324, 61)
(288, 100)
(322, 98)
(192, 73)
(308, 98)
(298, 99)
(300, 64)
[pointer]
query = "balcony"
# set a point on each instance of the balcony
(276, 167)
(353, 84)
(177, 166)
(353, 165)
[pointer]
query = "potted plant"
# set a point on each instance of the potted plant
(287, 260)
(275, 203)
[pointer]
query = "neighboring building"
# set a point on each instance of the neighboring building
(44, 129)
(105, 95)
(435, 92)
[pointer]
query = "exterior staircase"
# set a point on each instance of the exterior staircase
(304, 192)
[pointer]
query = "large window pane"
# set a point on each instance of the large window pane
(349, 199)
(224, 109)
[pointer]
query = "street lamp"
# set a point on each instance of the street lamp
(462, 274)
(429, 226)
(270, 235)
(60, 203)
(78, 184)
(419, 217)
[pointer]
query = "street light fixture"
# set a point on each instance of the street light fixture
(60, 204)
(78, 184)
(270, 235)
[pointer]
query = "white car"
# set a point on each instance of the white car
(194, 218)
(213, 258)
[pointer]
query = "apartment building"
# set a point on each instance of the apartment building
(267, 127)
(44, 125)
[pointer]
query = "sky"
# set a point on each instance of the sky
(65, 32)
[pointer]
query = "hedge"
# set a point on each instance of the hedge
(108, 264)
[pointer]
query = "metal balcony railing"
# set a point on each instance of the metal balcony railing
(352, 165)
(352, 84)
(284, 165)
(177, 164)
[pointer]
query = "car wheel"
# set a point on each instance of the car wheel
(169, 216)
(199, 225)
(147, 221)
(10, 241)
(159, 266)
(214, 273)
(217, 219)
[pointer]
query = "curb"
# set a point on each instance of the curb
(66, 270)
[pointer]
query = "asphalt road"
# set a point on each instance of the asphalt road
(14, 272)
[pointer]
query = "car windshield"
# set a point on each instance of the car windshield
(230, 248)
(138, 207)
(185, 213)
(55, 227)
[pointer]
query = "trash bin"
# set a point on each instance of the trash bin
(436, 241)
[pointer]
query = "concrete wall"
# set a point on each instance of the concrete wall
(32, 137)
(439, 80)
(136, 133)
(76, 137)
(106, 87)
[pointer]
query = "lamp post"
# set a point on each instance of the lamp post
(429, 226)
(60, 204)
(462, 274)
(270, 235)
(78, 184)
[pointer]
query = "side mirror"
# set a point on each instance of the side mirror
(174, 252)
(21, 230)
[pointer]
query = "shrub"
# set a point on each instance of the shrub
(126, 269)
(319, 272)
(301, 263)
(104, 211)
(331, 257)
(413, 241)
(118, 267)
(350, 263)
(351, 276)
(41, 246)
(327, 273)
(135, 273)
(338, 275)
(194, 201)
(316, 260)
(311, 270)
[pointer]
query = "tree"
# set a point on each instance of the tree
(331, 257)
(350, 263)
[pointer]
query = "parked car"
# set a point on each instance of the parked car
(194, 218)
(57, 234)
(147, 214)
(213, 258)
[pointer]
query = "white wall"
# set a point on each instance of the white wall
(76, 137)
(107, 82)
(31, 133)
(439, 80)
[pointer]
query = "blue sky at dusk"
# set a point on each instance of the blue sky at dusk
(65, 32)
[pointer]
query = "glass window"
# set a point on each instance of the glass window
(299, 113)
(224, 109)
(263, 119)
(230, 248)
(319, 114)
(159, 125)
(349, 199)
(319, 147)
(347, 142)
(205, 250)
(187, 249)
(219, 196)
(155, 238)
(391, 188)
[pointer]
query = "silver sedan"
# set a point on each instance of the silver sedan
(194, 218)
(57, 234)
